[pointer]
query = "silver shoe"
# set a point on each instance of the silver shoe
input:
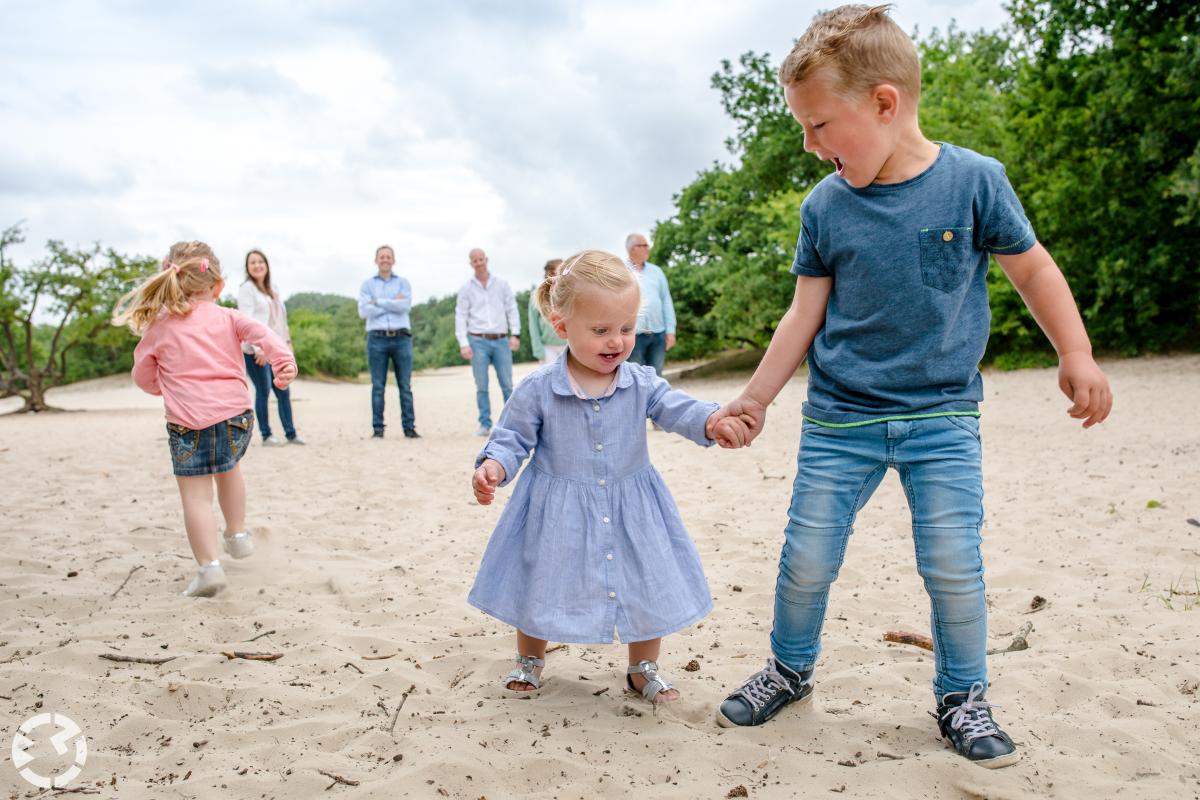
(655, 683)
(208, 581)
(296, 440)
(239, 545)
(529, 670)
(272, 441)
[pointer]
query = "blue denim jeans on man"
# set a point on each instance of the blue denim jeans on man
(264, 383)
(650, 349)
(940, 466)
(396, 350)
(496, 353)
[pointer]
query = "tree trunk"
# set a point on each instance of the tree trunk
(35, 400)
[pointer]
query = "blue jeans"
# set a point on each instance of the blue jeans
(263, 379)
(650, 349)
(396, 351)
(940, 466)
(496, 353)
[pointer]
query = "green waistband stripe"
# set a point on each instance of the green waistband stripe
(890, 419)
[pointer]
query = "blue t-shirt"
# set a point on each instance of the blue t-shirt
(908, 316)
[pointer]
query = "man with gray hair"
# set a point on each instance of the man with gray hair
(656, 317)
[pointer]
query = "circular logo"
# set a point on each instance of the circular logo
(70, 731)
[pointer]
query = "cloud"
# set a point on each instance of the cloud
(320, 130)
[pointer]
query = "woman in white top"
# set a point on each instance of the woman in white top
(259, 299)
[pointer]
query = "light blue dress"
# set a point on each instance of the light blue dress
(590, 540)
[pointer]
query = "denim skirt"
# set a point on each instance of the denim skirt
(215, 449)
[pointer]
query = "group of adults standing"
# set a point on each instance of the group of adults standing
(487, 326)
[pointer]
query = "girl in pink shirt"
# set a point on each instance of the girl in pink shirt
(191, 355)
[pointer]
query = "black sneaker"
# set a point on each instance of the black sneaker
(411, 433)
(764, 694)
(965, 720)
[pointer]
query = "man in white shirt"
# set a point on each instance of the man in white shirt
(488, 327)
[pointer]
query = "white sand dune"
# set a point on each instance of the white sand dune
(368, 549)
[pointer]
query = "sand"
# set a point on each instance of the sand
(368, 548)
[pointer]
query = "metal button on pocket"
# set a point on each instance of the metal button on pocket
(948, 236)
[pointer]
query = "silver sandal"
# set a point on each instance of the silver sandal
(524, 673)
(655, 683)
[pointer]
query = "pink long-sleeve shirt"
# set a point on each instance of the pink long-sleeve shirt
(195, 363)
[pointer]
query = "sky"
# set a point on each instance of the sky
(317, 130)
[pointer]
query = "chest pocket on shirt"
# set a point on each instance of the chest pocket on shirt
(947, 257)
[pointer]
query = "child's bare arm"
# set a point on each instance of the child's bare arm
(789, 345)
(1042, 286)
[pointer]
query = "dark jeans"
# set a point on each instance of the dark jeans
(263, 380)
(650, 349)
(397, 350)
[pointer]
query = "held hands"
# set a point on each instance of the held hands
(1082, 380)
(729, 432)
(285, 376)
(745, 414)
(489, 474)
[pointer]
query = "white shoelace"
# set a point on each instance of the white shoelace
(973, 717)
(762, 686)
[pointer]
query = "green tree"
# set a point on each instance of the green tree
(73, 288)
(1105, 106)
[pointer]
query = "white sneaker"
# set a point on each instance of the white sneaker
(296, 440)
(239, 545)
(272, 441)
(483, 430)
(209, 580)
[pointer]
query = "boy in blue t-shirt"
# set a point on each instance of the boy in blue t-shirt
(891, 310)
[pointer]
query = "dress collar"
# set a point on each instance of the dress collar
(562, 383)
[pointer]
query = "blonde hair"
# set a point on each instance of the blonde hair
(587, 268)
(861, 46)
(190, 269)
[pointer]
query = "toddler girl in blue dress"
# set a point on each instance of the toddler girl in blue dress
(591, 541)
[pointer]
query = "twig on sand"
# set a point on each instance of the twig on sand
(908, 637)
(460, 677)
(552, 648)
(264, 633)
(127, 577)
(354, 666)
(76, 790)
(379, 658)
(251, 656)
(137, 659)
(400, 705)
(1019, 642)
(336, 780)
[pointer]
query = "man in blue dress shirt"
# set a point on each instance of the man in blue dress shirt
(656, 317)
(384, 302)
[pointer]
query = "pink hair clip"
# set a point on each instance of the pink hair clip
(204, 265)
(567, 268)
(169, 264)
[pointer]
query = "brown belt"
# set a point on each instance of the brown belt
(489, 335)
